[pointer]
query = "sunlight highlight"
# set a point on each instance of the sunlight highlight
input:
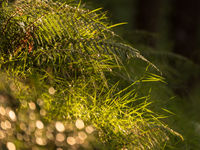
(12, 115)
(59, 126)
(52, 91)
(79, 124)
(39, 124)
(32, 105)
(10, 146)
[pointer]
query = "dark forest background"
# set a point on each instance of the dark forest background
(174, 25)
(168, 26)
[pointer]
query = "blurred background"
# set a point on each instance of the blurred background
(162, 24)
(167, 32)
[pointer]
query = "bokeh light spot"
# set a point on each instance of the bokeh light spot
(40, 102)
(19, 136)
(32, 105)
(12, 115)
(89, 129)
(42, 112)
(23, 126)
(41, 141)
(59, 126)
(3, 125)
(82, 135)
(2, 111)
(78, 140)
(10, 146)
(39, 124)
(79, 124)
(60, 137)
(32, 116)
(52, 91)
(71, 140)
(2, 134)
(7, 124)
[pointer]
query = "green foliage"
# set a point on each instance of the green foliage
(70, 58)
